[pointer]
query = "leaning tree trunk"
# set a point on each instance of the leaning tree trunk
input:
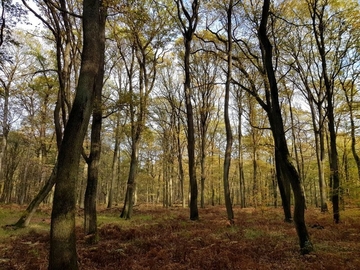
(24, 220)
(284, 188)
(62, 233)
(287, 169)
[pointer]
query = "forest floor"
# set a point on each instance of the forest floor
(165, 238)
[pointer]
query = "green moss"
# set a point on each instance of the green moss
(252, 233)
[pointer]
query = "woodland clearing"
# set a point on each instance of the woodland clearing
(165, 238)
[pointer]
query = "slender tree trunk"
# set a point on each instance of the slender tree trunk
(240, 162)
(287, 169)
(350, 103)
(24, 220)
(202, 171)
(194, 214)
(229, 136)
(4, 139)
(115, 164)
(188, 30)
(317, 13)
(129, 196)
(62, 233)
(181, 167)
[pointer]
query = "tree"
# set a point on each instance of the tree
(251, 77)
(287, 169)
(171, 92)
(188, 19)
(90, 215)
(204, 68)
(331, 65)
(147, 30)
(62, 233)
(10, 14)
(229, 136)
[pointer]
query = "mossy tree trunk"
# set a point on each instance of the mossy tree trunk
(62, 233)
(90, 223)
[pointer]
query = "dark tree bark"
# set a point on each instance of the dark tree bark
(229, 136)
(287, 169)
(62, 234)
(188, 30)
(284, 188)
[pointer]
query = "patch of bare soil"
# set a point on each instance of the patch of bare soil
(167, 239)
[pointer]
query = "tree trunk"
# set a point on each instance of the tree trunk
(194, 214)
(130, 189)
(287, 169)
(318, 29)
(5, 131)
(62, 233)
(181, 167)
(229, 136)
(188, 32)
(202, 171)
(284, 188)
(90, 217)
(24, 220)
(115, 163)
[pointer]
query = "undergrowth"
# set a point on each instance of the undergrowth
(160, 238)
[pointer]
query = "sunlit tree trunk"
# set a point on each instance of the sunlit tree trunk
(62, 233)
(90, 215)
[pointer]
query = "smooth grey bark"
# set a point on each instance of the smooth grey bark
(62, 233)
